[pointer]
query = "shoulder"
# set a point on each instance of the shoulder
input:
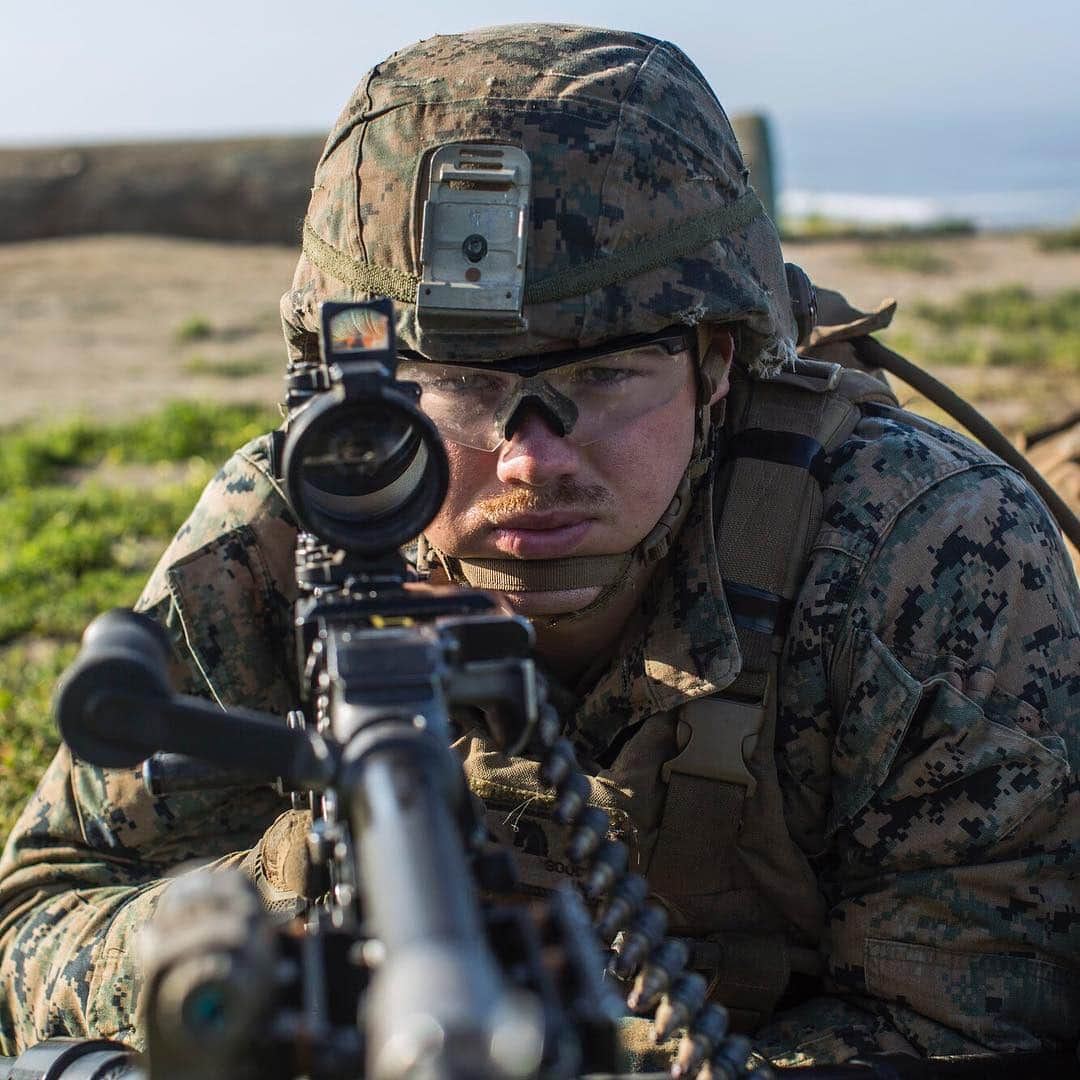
(935, 563)
(244, 492)
(952, 571)
(242, 508)
(224, 586)
(892, 460)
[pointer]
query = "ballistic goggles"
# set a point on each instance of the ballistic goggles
(584, 396)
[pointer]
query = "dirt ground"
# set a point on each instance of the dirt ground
(90, 324)
(95, 324)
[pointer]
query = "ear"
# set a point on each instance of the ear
(718, 361)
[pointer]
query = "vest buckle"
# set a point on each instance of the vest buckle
(716, 738)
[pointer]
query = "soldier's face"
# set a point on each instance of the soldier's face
(540, 496)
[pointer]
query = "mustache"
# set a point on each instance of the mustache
(565, 495)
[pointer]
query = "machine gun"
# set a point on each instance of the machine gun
(401, 970)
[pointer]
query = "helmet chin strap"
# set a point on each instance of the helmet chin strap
(610, 573)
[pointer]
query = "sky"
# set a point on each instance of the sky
(831, 74)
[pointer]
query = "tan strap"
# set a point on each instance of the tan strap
(778, 432)
(768, 511)
(838, 321)
(750, 969)
(695, 842)
(708, 782)
(540, 575)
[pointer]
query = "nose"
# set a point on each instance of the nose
(535, 454)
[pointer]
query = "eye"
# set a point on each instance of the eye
(607, 375)
(473, 383)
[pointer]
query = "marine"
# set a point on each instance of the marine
(821, 656)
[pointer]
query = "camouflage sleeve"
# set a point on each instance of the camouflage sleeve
(950, 824)
(87, 860)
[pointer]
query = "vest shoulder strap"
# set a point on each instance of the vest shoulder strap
(767, 507)
(767, 512)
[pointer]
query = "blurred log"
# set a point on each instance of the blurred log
(1057, 457)
(755, 140)
(253, 190)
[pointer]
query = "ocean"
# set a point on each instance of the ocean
(997, 171)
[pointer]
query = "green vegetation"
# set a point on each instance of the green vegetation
(820, 227)
(1011, 308)
(194, 328)
(1003, 327)
(70, 552)
(1066, 239)
(28, 739)
(907, 257)
(81, 537)
(182, 431)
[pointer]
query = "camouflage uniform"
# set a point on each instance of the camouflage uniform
(928, 730)
(927, 748)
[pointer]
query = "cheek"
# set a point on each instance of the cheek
(643, 466)
(472, 476)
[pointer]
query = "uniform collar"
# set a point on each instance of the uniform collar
(681, 646)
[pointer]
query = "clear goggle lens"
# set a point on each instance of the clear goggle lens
(591, 399)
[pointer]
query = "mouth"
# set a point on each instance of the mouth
(548, 535)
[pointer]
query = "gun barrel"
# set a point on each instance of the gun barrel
(437, 1005)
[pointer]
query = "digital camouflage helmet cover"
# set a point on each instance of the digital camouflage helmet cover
(639, 216)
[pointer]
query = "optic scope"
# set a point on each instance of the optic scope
(364, 468)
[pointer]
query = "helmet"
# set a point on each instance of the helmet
(641, 215)
(637, 212)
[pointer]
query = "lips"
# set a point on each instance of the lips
(539, 520)
(547, 535)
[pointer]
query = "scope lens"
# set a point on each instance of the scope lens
(359, 466)
(365, 474)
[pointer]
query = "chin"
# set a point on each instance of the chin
(532, 604)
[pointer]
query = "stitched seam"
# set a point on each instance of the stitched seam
(174, 594)
(265, 472)
(607, 173)
(532, 105)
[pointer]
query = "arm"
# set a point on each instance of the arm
(74, 892)
(940, 770)
(86, 863)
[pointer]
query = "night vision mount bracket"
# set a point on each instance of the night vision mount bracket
(473, 239)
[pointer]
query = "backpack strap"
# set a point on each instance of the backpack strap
(767, 512)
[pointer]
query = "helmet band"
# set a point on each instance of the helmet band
(651, 253)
